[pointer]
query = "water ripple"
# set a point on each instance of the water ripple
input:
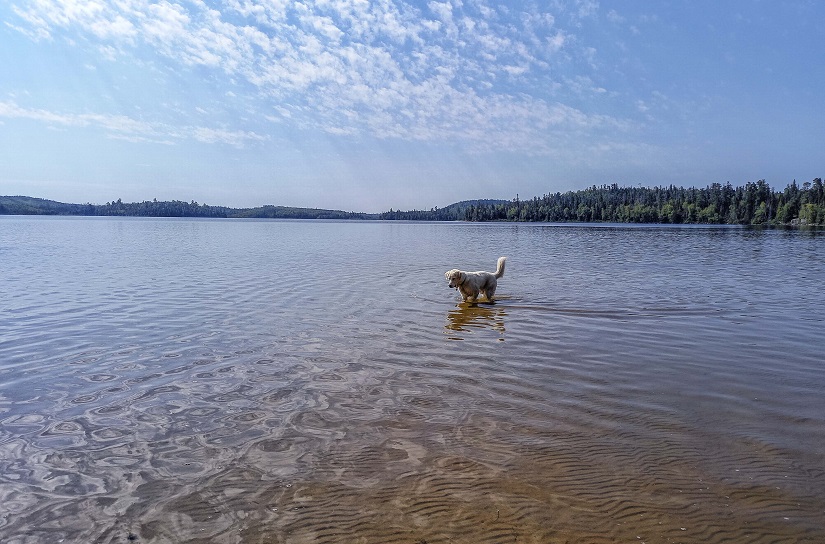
(305, 382)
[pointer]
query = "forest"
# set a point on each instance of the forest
(453, 212)
(24, 205)
(754, 203)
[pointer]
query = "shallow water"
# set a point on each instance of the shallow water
(168, 380)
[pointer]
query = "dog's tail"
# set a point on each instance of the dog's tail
(500, 267)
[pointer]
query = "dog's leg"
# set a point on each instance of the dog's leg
(490, 293)
(474, 296)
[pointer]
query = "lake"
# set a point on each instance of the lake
(170, 380)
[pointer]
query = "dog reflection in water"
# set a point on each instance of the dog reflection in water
(466, 317)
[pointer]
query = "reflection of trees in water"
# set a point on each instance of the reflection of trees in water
(466, 317)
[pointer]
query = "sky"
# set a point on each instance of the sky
(368, 105)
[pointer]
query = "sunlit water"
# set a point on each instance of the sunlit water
(295, 382)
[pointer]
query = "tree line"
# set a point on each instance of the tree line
(453, 212)
(754, 203)
(24, 205)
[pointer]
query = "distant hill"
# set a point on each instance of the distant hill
(453, 212)
(755, 203)
(26, 205)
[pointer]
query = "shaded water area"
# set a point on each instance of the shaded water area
(222, 381)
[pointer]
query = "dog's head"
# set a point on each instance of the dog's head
(455, 277)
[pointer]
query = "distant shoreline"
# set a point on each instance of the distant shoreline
(751, 204)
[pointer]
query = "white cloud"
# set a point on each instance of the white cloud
(587, 8)
(325, 26)
(515, 70)
(442, 10)
(386, 68)
(235, 138)
(583, 85)
(614, 17)
(118, 27)
(127, 128)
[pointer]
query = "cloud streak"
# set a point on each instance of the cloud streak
(468, 72)
(126, 128)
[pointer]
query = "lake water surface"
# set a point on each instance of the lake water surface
(171, 380)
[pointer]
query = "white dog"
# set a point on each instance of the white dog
(470, 284)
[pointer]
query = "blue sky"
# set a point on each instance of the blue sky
(370, 105)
